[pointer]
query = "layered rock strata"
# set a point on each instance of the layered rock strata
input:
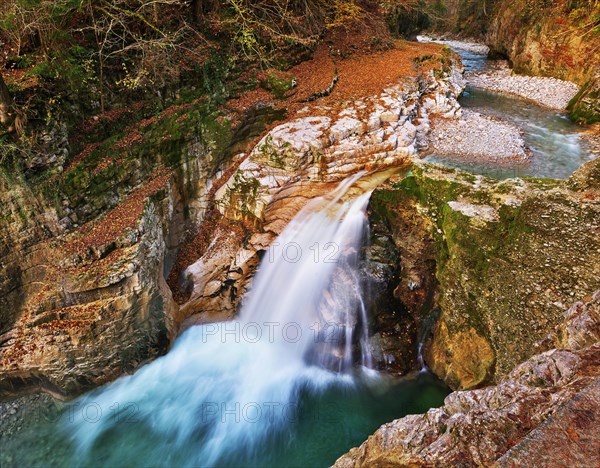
(546, 409)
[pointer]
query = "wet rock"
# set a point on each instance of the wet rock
(304, 158)
(29, 410)
(585, 106)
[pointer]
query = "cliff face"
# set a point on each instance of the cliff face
(552, 39)
(540, 38)
(497, 262)
(83, 256)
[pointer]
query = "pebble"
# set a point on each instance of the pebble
(477, 138)
(547, 92)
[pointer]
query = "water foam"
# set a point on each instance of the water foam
(223, 389)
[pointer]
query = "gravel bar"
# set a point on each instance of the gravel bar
(548, 92)
(477, 138)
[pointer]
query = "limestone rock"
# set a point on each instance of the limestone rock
(493, 263)
(305, 158)
(463, 359)
(545, 410)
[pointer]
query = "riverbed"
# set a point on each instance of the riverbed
(555, 144)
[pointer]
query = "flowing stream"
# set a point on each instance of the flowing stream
(553, 139)
(289, 383)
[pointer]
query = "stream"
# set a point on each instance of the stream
(555, 142)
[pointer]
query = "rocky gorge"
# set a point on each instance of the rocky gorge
(491, 285)
(74, 336)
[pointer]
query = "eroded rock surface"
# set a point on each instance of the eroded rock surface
(498, 262)
(304, 158)
(83, 283)
(546, 410)
(83, 293)
(550, 39)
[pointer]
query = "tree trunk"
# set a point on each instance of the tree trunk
(200, 8)
(6, 106)
(197, 11)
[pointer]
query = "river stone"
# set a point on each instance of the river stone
(464, 359)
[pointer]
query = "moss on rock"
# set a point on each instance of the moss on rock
(508, 257)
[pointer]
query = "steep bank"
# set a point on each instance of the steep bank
(498, 262)
(84, 298)
(549, 39)
(559, 40)
(297, 161)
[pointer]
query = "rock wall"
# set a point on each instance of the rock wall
(552, 39)
(497, 261)
(546, 409)
(84, 255)
(540, 38)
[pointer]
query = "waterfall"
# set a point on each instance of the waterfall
(224, 388)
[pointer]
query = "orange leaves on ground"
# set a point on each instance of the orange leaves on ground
(121, 218)
(362, 74)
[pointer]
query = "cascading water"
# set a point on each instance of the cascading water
(225, 388)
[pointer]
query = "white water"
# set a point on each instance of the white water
(225, 388)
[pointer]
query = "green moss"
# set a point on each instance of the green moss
(457, 236)
(242, 195)
(276, 156)
(543, 183)
(278, 84)
(585, 106)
